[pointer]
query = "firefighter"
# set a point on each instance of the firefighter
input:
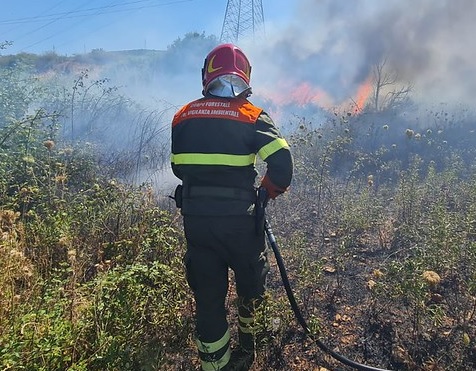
(215, 140)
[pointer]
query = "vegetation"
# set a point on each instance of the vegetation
(378, 234)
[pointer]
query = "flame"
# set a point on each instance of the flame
(363, 94)
(302, 94)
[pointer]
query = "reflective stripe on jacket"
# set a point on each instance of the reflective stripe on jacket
(215, 142)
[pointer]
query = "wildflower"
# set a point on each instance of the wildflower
(49, 144)
(29, 159)
(431, 277)
(64, 241)
(68, 151)
(378, 273)
(61, 178)
(370, 180)
(371, 284)
(72, 255)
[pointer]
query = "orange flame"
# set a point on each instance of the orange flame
(363, 94)
(302, 94)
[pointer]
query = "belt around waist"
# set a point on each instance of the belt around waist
(221, 192)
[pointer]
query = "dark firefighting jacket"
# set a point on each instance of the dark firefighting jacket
(214, 146)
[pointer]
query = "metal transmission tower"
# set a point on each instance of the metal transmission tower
(242, 18)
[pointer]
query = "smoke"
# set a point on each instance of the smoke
(323, 57)
(334, 44)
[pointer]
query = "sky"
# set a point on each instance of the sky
(78, 26)
(314, 50)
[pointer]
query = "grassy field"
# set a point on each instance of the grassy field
(378, 234)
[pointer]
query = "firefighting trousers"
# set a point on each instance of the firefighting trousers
(216, 244)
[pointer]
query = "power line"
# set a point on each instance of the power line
(71, 26)
(74, 13)
(89, 13)
(47, 10)
(47, 24)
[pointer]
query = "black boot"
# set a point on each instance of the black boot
(241, 360)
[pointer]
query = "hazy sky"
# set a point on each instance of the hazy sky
(77, 26)
(315, 50)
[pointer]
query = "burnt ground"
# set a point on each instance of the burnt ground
(365, 323)
(342, 294)
(341, 302)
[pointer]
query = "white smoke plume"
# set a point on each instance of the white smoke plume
(334, 44)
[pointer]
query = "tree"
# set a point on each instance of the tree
(187, 53)
(5, 44)
(388, 92)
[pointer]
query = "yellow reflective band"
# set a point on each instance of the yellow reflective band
(272, 147)
(215, 346)
(245, 329)
(246, 320)
(218, 364)
(213, 159)
(247, 326)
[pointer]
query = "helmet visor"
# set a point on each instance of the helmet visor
(227, 86)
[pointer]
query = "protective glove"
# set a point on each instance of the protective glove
(272, 189)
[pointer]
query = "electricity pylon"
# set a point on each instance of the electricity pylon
(243, 18)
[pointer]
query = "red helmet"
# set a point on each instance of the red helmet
(225, 59)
